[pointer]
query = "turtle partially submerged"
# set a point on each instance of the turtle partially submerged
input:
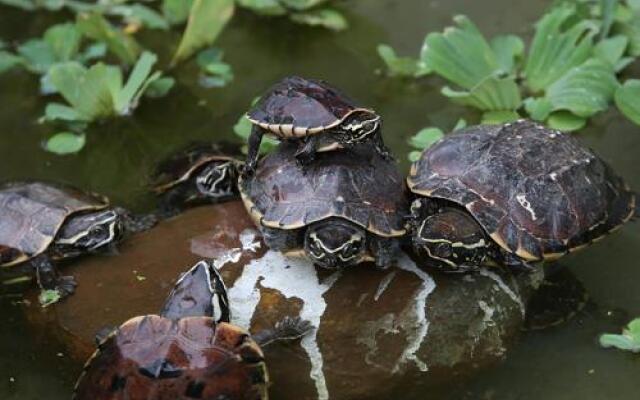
(342, 209)
(201, 173)
(514, 194)
(43, 223)
(189, 351)
(313, 114)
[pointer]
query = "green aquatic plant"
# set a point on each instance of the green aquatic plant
(426, 137)
(307, 12)
(214, 71)
(567, 74)
(629, 340)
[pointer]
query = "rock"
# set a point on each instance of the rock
(388, 333)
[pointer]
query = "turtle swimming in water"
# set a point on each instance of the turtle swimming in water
(189, 351)
(313, 114)
(201, 173)
(342, 209)
(43, 223)
(512, 194)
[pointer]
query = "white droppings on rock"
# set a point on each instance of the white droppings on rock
(384, 284)
(248, 239)
(292, 277)
(413, 319)
(488, 313)
(229, 256)
(367, 336)
(505, 288)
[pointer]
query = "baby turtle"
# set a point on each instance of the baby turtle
(201, 173)
(186, 352)
(315, 115)
(342, 209)
(514, 194)
(43, 223)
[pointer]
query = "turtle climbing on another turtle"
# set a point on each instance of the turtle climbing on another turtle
(342, 209)
(201, 173)
(189, 351)
(44, 223)
(313, 114)
(513, 194)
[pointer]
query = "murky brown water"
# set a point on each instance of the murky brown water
(561, 363)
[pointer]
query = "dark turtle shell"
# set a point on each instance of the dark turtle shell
(297, 107)
(152, 357)
(180, 167)
(358, 185)
(537, 192)
(31, 213)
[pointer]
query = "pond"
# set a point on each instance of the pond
(564, 362)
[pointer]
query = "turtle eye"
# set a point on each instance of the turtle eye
(443, 250)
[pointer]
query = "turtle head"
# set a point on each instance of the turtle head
(359, 126)
(217, 180)
(334, 243)
(451, 239)
(89, 232)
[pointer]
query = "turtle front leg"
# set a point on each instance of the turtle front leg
(49, 278)
(254, 149)
(307, 152)
(515, 262)
(385, 251)
(289, 328)
(382, 148)
(133, 223)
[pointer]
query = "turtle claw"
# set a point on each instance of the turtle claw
(66, 285)
(287, 329)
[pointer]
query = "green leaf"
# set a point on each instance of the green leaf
(140, 14)
(414, 156)
(499, 117)
(65, 143)
(8, 61)
(611, 50)
(96, 27)
(92, 52)
(61, 112)
(631, 29)
(608, 10)
(460, 54)
(620, 342)
(216, 72)
(584, 90)
(491, 94)
(26, 5)
(401, 66)
(137, 78)
(538, 108)
(206, 21)
(509, 49)
(555, 50)
(64, 41)
(49, 297)
(565, 121)
(461, 124)
(38, 55)
(426, 137)
(627, 99)
(633, 328)
(242, 129)
(160, 87)
(90, 92)
(263, 7)
(176, 11)
(301, 5)
(325, 18)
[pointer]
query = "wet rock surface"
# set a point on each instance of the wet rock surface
(388, 333)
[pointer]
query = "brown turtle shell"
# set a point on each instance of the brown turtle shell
(358, 185)
(152, 357)
(297, 107)
(31, 214)
(181, 166)
(537, 192)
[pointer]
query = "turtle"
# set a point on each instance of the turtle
(514, 195)
(313, 114)
(200, 173)
(189, 351)
(42, 223)
(342, 209)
